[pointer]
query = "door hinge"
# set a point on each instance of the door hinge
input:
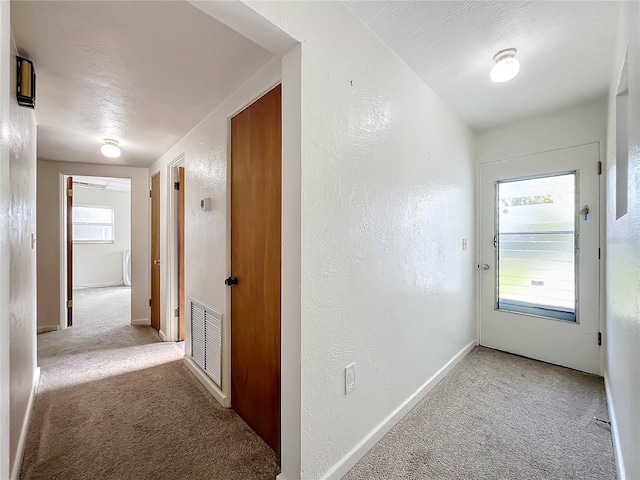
(176, 185)
(600, 168)
(149, 302)
(599, 338)
(176, 312)
(69, 192)
(150, 193)
(69, 303)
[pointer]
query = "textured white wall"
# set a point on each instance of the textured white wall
(388, 189)
(50, 259)
(206, 232)
(22, 255)
(100, 264)
(5, 195)
(623, 258)
(569, 127)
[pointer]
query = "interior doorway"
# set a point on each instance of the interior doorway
(97, 226)
(256, 240)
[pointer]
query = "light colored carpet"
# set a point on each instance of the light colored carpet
(115, 402)
(499, 416)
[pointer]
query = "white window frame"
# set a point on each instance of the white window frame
(112, 224)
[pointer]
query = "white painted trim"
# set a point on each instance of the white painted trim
(617, 450)
(141, 321)
(169, 296)
(17, 461)
(207, 382)
(162, 336)
(48, 328)
(356, 453)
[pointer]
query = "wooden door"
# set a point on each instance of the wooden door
(155, 251)
(69, 251)
(256, 186)
(181, 287)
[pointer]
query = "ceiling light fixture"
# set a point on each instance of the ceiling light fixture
(506, 67)
(110, 148)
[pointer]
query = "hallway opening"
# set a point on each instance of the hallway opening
(99, 248)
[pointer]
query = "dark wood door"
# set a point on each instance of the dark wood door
(256, 192)
(69, 251)
(155, 251)
(181, 290)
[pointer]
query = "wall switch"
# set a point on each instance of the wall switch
(349, 378)
(464, 244)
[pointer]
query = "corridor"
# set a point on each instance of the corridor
(116, 402)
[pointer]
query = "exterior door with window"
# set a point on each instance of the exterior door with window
(539, 259)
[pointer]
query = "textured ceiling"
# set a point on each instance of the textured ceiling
(142, 72)
(565, 51)
(103, 183)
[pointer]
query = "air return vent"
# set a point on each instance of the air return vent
(206, 340)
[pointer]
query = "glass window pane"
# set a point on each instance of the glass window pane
(93, 224)
(536, 238)
(92, 215)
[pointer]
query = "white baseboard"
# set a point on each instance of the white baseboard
(100, 285)
(207, 382)
(617, 451)
(141, 321)
(22, 441)
(352, 457)
(162, 336)
(48, 328)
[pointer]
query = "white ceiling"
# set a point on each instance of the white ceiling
(565, 50)
(103, 183)
(142, 72)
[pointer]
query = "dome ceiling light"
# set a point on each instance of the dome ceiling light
(110, 148)
(506, 67)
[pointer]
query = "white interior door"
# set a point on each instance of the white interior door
(540, 257)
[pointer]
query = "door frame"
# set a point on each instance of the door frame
(64, 238)
(171, 240)
(602, 239)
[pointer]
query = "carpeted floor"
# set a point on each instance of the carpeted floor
(499, 416)
(114, 402)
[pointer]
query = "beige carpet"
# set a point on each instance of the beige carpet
(116, 403)
(499, 416)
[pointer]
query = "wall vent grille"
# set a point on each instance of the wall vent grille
(206, 340)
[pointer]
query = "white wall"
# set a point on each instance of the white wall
(100, 264)
(569, 127)
(5, 195)
(21, 225)
(623, 261)
(50, 258)
(206, 233)
(388, 181)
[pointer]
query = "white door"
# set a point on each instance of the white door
(539, 257)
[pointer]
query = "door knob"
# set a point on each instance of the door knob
(156, 262)
(484, 266)
(231, 281)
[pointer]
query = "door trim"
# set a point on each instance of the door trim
(171, 254)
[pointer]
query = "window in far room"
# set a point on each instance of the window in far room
(93, 224)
